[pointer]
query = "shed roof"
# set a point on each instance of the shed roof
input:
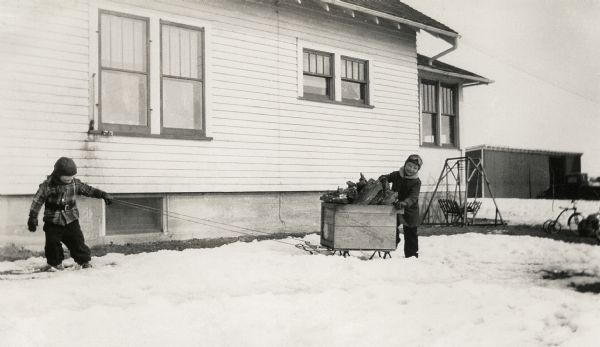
(449, 70)
(521, 150)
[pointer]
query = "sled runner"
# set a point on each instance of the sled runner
(35, 272)
(314, 249)
(44, 271)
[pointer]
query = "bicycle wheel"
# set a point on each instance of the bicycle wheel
(574, 221)
(554, 227)
(546, 224)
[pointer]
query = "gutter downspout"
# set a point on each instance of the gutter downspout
(454, 47)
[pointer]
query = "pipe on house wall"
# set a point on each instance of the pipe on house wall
(453, 48)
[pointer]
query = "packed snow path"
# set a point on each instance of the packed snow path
(465, 290)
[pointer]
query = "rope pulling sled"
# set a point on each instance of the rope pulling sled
(303, 245)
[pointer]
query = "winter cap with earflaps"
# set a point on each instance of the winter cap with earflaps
(65, 167)
(415, 159)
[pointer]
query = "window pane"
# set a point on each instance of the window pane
(197, 55)
(317, 63)
(352, 91)
(428, 98)
(305, 61)
(428, 128)
(105, 40)
(447, 136)
(447, 100)
(139, 42)
(315, 85)
(173, 51)
(124, 98)
(326, 68)
(124, 219)
(348, 69)
(186, 60)
(122, 43)
(343, 70)
(166, 55)
(361, 71)
(312, 63)
(320, 64)
(354, 70)
(182, 104)
(116, 44)
(127, 44)
(181, 52)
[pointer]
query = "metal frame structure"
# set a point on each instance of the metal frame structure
(472, 168)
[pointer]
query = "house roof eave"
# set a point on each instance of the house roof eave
(471, 80)
(448, 36)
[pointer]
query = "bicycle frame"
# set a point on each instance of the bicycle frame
(554, 226)
(565, 209)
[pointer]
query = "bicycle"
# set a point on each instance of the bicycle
(553, 226)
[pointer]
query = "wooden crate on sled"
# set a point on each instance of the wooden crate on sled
(358, 227)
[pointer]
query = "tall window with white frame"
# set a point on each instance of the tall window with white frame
(438, 114)
(124, 78)
(182, 79)
(354, 76)
(318, 75)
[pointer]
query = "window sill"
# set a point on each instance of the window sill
(326, 101)
(106, 133)
(433, 145)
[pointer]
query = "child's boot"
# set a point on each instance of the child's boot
(56, 268)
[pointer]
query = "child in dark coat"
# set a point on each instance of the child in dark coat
(61, 216)
(407, 184)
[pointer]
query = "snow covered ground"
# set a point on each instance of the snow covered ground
(465, 290)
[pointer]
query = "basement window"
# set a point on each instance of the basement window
(135, 215)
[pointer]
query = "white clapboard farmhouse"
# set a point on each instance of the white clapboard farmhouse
(232, 111)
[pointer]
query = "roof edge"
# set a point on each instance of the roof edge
(519, 150)
(408, 22)
(482, 80)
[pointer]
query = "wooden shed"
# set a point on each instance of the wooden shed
(523, 173)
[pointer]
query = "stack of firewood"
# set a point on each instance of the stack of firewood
(363, 192)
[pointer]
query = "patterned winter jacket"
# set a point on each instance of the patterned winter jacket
(59, 200)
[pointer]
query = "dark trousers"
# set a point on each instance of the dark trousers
(72, 237)
(411, 241)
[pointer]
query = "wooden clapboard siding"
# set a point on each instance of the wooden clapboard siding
(44, 88)
(264, 137)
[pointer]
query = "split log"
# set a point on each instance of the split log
(389, 196)
(362, 182)
(368, 192)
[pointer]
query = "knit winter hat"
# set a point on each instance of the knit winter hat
(415, 159)
(65, 167)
